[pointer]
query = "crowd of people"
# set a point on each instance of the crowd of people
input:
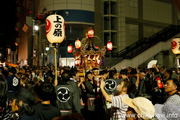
(30, 93)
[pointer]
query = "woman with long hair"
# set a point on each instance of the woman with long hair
(5, 107)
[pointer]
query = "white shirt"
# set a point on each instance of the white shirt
(118, 107)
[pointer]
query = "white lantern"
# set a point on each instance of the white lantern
(55, 28)
(78, 44)
(175, 45)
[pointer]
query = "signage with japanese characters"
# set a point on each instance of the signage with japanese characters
(55, 28)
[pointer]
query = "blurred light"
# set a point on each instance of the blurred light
(36, 27)
(47, 48)
(109, 46)
(30, 11)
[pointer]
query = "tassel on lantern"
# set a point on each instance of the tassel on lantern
(81, 61)
(102, 62)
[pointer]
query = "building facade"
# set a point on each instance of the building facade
(123, 22)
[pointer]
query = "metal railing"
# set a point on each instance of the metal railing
(143, 44)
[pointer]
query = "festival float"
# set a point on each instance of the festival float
(88, 56)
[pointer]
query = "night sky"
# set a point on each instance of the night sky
(7, 27)
(8, 23)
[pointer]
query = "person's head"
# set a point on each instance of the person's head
(23, 81)
(115, 76)
(171, 86)
(16, 105)
(12, 70)
(142, 74)
(3, 90)
(104, 74)
(61, 71)
(123, 86)
(95, 71)
(46, 91)
(167, 73)
(89, 76)
(65, 76)
(40, 73)
(123, 72)
(74, 74)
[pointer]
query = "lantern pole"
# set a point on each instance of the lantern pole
(177, 58)
(55, 49)
(54, 35)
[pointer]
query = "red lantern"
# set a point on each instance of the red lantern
(109, 46)
(78, 44)
(91, 33)
(69, 49)
(175, 45)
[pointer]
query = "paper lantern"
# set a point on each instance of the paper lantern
(78, 44)
(55, 28)
(91, 33)
(70, 49)
(175, 45)
(109, 46)
(77, 62)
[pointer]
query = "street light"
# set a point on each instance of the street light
(47, 48)
(36, 27)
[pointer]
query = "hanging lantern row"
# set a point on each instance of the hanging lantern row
(78, 46)
(109, 46)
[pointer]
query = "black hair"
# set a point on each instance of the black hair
(169, 72)
(25, 108)
(175, 82)
(3, 90)
(12, 70)
(73, 72)
(46, 91)
(103, 72)
(95, 69)
(124, 72)
(65, 76)
(87, 73)
(133, 71)
(131, 88)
